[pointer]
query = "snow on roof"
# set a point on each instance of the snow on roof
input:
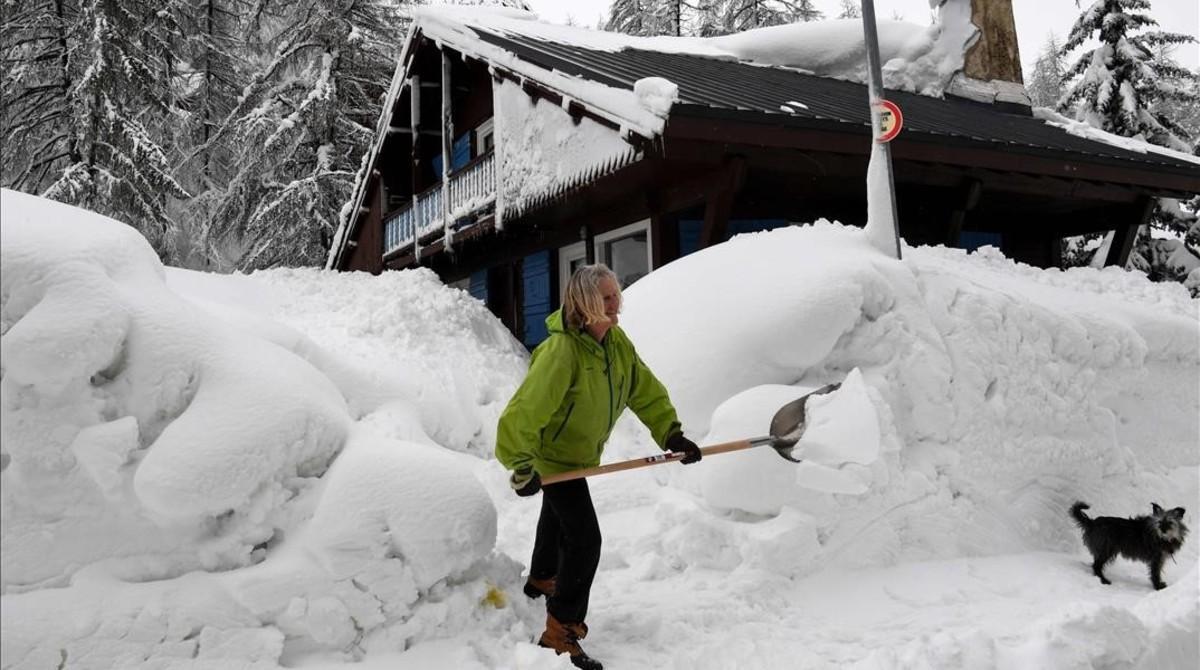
(921, 59)
(457, 27)
(1082, 129)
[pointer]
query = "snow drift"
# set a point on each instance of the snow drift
(350, 509)
(198, 466)
(1000, 393)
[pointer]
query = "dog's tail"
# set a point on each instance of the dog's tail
(1081, 519)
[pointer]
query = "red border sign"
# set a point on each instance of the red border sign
(891, 120)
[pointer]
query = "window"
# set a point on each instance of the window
(485, 138)
(626, 251)
(570, 258)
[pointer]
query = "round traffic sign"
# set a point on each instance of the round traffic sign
(890, 121)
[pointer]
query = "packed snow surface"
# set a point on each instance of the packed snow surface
(293, 468)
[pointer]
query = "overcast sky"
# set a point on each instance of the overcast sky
(1035, 18)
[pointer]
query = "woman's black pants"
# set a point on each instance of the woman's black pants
(567, 548)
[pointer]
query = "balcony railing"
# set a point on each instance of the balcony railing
(472, 188)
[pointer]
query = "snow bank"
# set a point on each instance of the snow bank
(186, 471)
(995, 394)
(979, 398)
(416, 360)
(131, 422)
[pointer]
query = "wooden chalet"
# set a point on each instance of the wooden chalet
(559, 156)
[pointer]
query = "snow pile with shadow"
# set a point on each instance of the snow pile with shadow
(186, 481)
(981, 397)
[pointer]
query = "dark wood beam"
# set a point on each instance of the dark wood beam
(810, 166)
(395, 130)
(968, 197)
(950, 151)
(1124, 236)
(716, 217)
(664, 234)
(719, 202)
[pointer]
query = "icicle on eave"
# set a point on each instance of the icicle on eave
(529, 203)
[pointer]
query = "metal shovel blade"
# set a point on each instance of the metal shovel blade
(787, 426)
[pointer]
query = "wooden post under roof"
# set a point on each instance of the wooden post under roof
(719, 201)
(447, 150)
(968, 197)
(1124, 235)
(414, 97)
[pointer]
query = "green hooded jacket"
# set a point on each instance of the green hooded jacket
(561, 416)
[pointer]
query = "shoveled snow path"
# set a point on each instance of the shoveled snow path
(698, 618)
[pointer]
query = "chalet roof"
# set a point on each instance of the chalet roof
(722, 88)
(599, 70)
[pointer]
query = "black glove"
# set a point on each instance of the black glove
(681, 445)
(525, 482)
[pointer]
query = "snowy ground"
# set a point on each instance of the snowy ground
(293, 468)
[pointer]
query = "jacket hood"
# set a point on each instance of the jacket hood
(555, 323)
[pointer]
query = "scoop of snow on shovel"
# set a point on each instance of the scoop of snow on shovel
(841, 439)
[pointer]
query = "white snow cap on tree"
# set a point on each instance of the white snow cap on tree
(1117, 82)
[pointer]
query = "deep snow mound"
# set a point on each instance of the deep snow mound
(998, 393)
(191, 476)
(133, 426)
(409, 336)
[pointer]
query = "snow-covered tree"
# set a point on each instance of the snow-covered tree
(302, 126)
(850, 9)
(668, 17)
(653, 17)
(1046, 81)
(1116, 84)
(630, 17)
(1182, 108)
(710, 18)
(212, 78)
(35, 107)
(747, 14)
(1129, 86)
(121, 65)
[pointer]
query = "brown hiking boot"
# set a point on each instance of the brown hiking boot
(536, 588)
(564, 638)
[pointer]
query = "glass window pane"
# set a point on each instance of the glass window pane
(627, 257)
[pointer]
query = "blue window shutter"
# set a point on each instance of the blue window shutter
(437, 167)
(479, 286)
(461, 154)
(535, 281)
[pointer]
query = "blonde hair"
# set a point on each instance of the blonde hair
(583, 303)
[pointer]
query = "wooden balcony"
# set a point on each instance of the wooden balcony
(472, 189)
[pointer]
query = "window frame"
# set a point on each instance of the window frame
(625, 231)
(566, 254)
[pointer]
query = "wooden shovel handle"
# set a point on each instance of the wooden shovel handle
(665, 457)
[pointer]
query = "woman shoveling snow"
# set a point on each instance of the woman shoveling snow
(579, 381)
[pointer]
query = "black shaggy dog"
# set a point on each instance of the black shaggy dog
(1149, 539)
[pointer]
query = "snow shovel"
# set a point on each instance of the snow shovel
(787, 426)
